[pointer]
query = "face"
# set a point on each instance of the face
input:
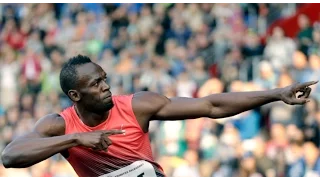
(278, 33)
(299, 60)
(93, 93)
(278, 131)
(285, 80)
(265, 70)
(27, 101)
(314, 61)
(259, 149)
(316, 36)
(303, 21)
(249, 163)
(311, 152)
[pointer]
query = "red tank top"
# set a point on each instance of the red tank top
(126, 149)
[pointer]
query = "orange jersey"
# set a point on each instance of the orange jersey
(129, 155)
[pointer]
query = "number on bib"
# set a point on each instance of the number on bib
(136, 169)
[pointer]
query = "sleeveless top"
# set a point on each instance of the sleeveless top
(129, 155)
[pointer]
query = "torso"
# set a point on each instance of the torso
(129, 155)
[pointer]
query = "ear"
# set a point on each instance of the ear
(74, 95)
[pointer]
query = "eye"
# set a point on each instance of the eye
(96, 84)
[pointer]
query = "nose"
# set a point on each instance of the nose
(105, 86)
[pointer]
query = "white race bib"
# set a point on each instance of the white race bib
(136, 169)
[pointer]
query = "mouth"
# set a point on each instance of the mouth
(108, 96)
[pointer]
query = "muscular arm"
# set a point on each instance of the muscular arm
(148, 105)
(45, 140)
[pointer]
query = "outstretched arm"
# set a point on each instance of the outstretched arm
(148, 105)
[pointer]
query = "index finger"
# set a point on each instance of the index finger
(114, 131)
(307, 84)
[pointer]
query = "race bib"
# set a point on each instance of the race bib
(136, 169)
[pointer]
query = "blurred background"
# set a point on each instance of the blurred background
(188, 50)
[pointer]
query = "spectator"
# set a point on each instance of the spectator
(248, 166)
(227, 151)
(267, 78)
(50, 78)
(264, 164)
(300, 70)
(190, 169)
(311, 129)
(9, 70)
(185, 86)
(279, 49)
(314, 47)
(31, 70)
(310, 163)
(314, 63)
(252, 46)
(305, 34)
(231, 65)
(294, 155)
(199, 74)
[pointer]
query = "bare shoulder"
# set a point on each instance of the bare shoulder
(145, 105)
(50, 125)
(147, 101)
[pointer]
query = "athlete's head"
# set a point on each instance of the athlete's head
(84, 82)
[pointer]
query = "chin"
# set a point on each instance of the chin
(102, 106)
(109, 105)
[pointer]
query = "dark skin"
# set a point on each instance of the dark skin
(93, 102)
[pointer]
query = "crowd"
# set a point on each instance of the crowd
(188, 50)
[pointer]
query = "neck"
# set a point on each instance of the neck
(90, 118)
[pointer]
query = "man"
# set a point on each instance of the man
(105, 135)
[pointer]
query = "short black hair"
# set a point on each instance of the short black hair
(68, 73)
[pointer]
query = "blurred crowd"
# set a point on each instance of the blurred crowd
(187, 50)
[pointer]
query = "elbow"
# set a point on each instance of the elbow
(9, 160)
(217, 113)
(6, 160)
